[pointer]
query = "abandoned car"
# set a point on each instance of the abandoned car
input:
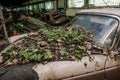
(104, 24)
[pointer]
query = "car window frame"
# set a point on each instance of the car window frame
(118, 40)
(117, 36)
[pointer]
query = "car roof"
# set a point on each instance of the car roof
(112, 11)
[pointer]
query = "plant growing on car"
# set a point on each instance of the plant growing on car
(50, 44)
(47, 54)
(24, 54)
(32, 48)
(36, 57)
(78, 53)
(53, 35)
(30, 56)
(63, 52)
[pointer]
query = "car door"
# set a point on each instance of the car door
(113, 63)
(96, 68)
(112, 68)
(86, 69)
(119, 58)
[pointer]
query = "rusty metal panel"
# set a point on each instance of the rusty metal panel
(113, 73)
(66, 69)
(100, 75)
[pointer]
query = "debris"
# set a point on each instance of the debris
(57, 17)
(2, 47)
(49, 44)
(1, 59)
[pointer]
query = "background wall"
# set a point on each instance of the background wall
(71, 6)
(60, 3)
(72, 12)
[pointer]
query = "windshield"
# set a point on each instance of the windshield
(98, 26)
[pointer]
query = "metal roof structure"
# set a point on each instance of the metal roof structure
(9, 3)
(114, 11)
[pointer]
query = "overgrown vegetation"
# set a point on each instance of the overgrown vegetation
(49, 44)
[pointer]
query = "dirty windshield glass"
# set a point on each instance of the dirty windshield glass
(99, 26)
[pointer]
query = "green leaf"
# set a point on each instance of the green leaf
(63, 52)
(24, 54)
(36, 57)
(43, 29)
(78, 53)
(47, 54)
